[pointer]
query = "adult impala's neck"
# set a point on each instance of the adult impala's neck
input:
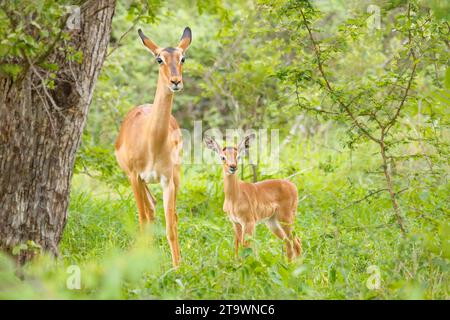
(230, 186)
(158, 125)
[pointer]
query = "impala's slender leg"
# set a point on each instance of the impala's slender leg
(287, 222)
(139, 195)
(283, 231)
(176, 183)
(237, 237)
(149, 202)
(171, 220)
(290, 248)
(295, 242)
(287, 227)
(248, 229)
(298, 246)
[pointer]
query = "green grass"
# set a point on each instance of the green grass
(341, 239)
(338, 245)
(333, 266)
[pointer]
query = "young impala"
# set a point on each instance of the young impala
(271, 201)
(149, 142)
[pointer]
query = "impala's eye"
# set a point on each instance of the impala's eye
(223, 158)
(183, 59)
(159, 60)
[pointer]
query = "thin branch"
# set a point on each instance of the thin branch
(411, 78)
(44, 87)
(370, 194)
(297, 173)
(328, 84)
(124, 35)
(44, 102)
(389, 125)
(307, 108)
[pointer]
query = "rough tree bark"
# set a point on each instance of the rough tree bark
(40, 131)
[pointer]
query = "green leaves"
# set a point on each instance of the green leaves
(25, 40)
(143, 10)
(30, 245)
(10, 69)
(447, 78)
(260, 65)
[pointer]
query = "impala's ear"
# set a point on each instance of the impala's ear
(153, 47)
(244, 145)
(186, 39)
(212, 144)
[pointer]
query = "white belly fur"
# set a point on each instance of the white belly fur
(150, 176)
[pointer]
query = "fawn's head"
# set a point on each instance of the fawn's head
(230, 156)
(170, 59)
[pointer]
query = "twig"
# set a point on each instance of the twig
(411, 78)
(44, 102)
(328, 84)
(360, 200)
(402, 102)
(366, 197)
(44, 87)
(297, 173)
(307, 108)
(124, 35)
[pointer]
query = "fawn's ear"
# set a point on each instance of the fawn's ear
(153, 47)
(244, 145)
(212, 144)
(186, 39)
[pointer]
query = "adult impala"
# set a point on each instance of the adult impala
(149, 143)
(271, 201)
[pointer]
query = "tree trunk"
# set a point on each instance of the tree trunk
(40, 131)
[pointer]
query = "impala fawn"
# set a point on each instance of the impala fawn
(272, 201)
(149, 143)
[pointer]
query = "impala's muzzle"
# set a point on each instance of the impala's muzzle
(232, 169)
(176, 86)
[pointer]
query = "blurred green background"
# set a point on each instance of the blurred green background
(251, 65)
